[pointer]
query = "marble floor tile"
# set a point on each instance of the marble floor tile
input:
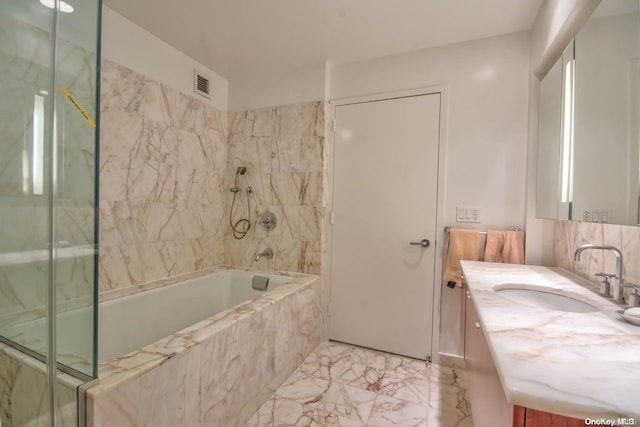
(389, 411)
(280, 412)
(344, 385)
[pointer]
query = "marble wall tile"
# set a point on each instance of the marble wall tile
(311, 189)
(120, 407)
(286, 188)
(568, 235)
(24, 395)
(171, 392)
(143, 262)
(283, 149)
(244, 370)
(24, 66)
(162, 173)
(300, 331)
(311, 153)
(16, 212)
(310, 223)
(120, 89)
(310, 256)
(16, 299)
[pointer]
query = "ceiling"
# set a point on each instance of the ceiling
(615, 7)
(244, 37)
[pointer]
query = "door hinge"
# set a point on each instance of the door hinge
(333, 126)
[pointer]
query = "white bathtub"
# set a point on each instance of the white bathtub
(129, 323)
(220, 368)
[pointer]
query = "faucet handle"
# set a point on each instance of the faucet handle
(605, 286)
(634, 297)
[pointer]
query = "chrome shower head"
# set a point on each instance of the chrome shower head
(241, 170)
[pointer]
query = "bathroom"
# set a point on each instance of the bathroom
(191, 234)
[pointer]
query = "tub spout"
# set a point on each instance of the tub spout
(267, 253)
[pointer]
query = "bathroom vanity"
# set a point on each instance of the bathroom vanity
(543, 349)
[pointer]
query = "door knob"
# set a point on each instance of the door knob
(424, 243)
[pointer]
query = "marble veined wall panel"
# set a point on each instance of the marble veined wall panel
(162, 164)
(283, 149)
(568, 235)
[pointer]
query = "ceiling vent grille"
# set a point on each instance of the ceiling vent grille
(202, 84)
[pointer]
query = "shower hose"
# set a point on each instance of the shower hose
(241, 227)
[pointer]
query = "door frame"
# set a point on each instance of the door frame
(440, 233)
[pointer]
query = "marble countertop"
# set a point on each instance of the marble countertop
(582, 365)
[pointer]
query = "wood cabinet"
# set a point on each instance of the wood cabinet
(527, 417)
(489, 406)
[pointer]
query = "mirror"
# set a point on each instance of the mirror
(588, 147)
(607, 51)
(548, 194)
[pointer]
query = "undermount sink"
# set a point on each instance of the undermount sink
(547, 298)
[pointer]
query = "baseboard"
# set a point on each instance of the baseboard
(451, 361)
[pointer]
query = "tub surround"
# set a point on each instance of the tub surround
(218, 371)
(167, 162)
(162, 159)
(283, 149)
(23, 392)
(574, 364)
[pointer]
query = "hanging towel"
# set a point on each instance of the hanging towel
(463, 245)
(504, 246)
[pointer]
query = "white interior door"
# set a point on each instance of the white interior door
(385, 192)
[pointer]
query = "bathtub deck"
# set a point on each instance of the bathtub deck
(343, 385)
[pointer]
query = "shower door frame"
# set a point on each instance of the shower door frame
(443, 90)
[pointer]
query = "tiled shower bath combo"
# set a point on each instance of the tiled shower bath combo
(167, 163)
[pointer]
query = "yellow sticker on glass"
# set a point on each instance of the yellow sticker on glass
(73, 101)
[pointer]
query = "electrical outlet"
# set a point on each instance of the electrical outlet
(586, 215)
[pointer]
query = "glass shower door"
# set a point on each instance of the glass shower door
(25, 256)
(49, 56)
(74, 174)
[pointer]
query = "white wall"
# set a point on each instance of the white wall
(486, 132)
(128, 44)
(270, 89)
(554, 27)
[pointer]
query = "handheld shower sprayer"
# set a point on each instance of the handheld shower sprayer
(241, 227)
(240, 170)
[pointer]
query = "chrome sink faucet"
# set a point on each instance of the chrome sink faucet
(618, 281)
(267, 253)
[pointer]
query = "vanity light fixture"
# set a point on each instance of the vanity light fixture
(568, 101)
(62, 7)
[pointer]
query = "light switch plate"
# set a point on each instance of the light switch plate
(467, 214)
(596, 215)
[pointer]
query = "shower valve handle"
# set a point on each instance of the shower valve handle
(424, 243)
